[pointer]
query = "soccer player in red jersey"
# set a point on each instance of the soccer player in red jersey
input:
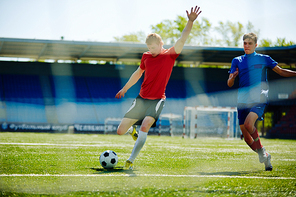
(157, 64)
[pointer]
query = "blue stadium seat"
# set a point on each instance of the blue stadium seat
(24, 99)
(180, 89)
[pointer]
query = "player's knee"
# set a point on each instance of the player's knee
(249, 127)
(144, 128)
(146, 124)
(120, 131)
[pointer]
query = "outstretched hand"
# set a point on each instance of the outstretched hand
(120, 94)
(193, 13)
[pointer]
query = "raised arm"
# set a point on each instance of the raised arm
(132, 80)
(186, 31)
(284, 72)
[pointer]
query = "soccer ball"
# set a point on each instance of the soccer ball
(108, 159)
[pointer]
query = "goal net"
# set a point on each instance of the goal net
(203, 121)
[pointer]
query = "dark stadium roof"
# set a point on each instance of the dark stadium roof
(115, 51)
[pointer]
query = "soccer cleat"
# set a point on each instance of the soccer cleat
(267, 163)
(133, 132)
(128, 165)
(262, 155)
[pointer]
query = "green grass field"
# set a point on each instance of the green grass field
(34, 164)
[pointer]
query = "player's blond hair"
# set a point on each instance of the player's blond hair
(251, 36)
(154, 38)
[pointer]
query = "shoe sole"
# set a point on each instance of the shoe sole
(268, 169)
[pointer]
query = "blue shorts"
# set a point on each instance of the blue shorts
(145, 107)
(244, 110)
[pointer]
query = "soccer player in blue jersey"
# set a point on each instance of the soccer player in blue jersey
(251, 70)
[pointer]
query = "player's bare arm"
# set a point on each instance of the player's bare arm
(186, 31)
(284, 72)
(132, 80)
(231, 78)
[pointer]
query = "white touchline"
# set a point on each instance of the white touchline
(143, 175)
(46, 144)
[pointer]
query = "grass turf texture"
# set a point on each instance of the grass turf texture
(35, 164)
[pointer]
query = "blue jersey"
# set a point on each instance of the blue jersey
(252, 68)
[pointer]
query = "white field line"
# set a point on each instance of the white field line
(47, 144)
(144, 175)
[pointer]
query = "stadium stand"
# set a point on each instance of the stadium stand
(286, 126)
(24, 100)
(179, 89)
(2, 103)
(84, 93)
(34, 92)
(103, 88)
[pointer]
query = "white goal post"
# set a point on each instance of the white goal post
(207, 121)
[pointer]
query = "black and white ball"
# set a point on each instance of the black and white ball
(108, 159)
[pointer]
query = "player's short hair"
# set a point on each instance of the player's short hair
(154, 38)
(251, 36)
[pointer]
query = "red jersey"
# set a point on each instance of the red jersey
(157, 73)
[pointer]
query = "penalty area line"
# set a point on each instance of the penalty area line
(144, 175)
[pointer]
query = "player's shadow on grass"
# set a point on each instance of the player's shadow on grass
(229, 173)
(116, 169)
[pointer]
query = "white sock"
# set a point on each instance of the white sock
(138, 145)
